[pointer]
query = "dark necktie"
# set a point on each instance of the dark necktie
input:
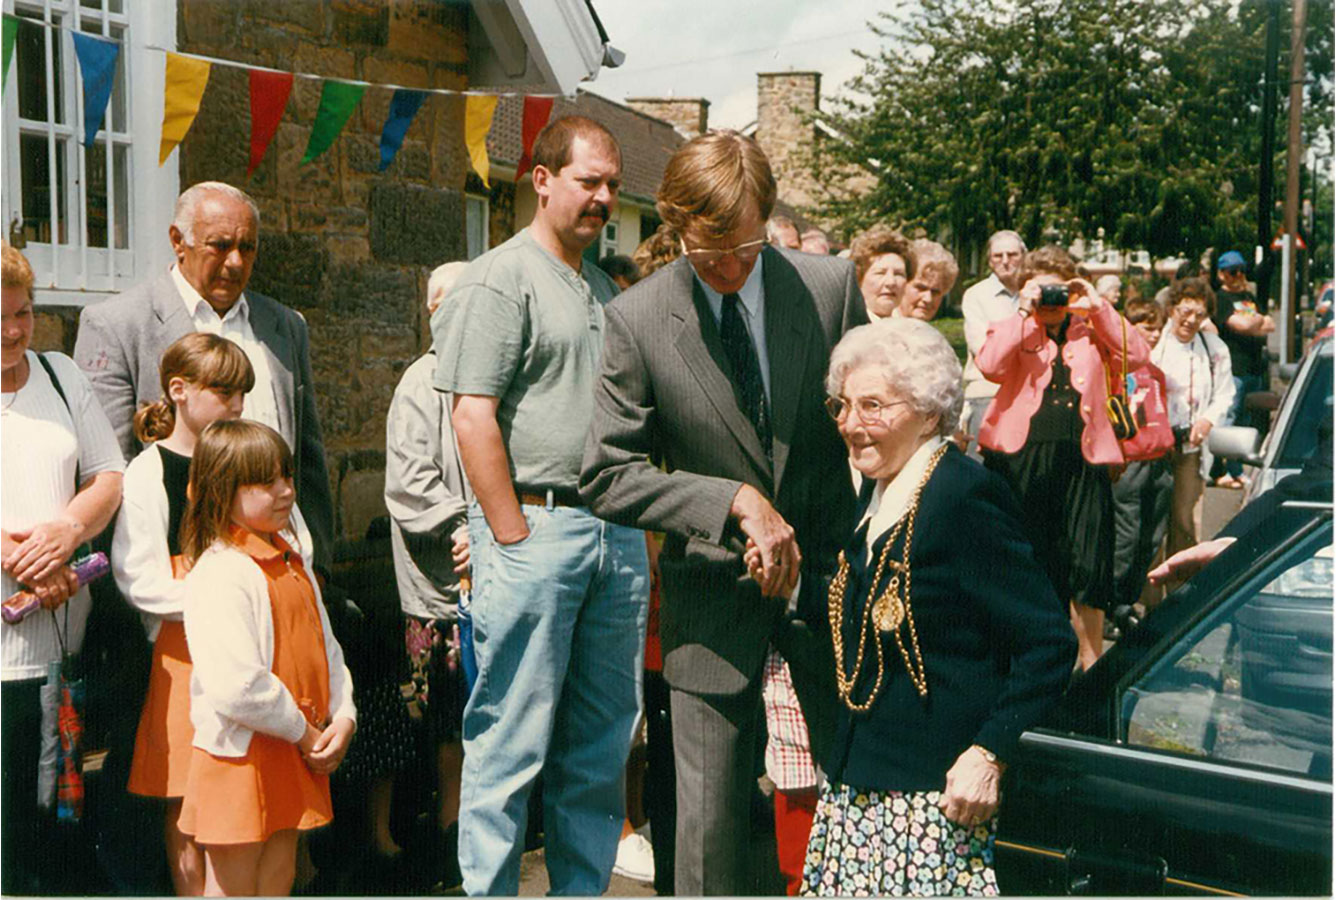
(746, 370)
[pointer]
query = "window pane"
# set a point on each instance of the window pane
(35, 175)
(95, 170)
(475, 226)
(1253, 682)
(115, 6)
(30, 47)
(121, 179)
(118, 113)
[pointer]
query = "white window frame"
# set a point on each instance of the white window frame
(608, 238)
(484, 206)
(73, 273)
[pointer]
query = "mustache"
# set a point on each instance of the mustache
(597, 209)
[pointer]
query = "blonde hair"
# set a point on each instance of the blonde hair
(930, 256)
(656, 251)
(878, 241)
(443, 277)
(710, 180)
(16, 268)
(231, 454)
(202, 359)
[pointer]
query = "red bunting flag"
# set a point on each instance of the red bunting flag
(269, 97)
(537, 110)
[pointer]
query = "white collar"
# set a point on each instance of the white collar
(890, 499)
(751, 293)
(192, 299)
(1001, 290)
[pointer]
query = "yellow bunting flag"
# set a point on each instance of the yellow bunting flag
(186, 79)
(478, 112)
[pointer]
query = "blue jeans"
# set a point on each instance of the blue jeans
(559, 634)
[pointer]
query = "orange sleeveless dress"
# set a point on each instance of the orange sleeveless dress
(161, 762)
(243, 800)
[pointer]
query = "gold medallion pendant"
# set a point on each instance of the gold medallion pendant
(888, 612)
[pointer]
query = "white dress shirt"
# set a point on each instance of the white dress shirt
(752, 307)
(987, 302)
(261, 405)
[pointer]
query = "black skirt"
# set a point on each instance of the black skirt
(1067, 510)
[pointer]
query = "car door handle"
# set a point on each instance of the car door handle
(1114, 873)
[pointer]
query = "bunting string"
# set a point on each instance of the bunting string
(187, 77)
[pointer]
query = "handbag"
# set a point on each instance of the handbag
(1139, 410)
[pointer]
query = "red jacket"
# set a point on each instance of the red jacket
(1018, 355)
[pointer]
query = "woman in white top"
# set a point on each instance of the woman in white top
(1200, 382)
(53, 433)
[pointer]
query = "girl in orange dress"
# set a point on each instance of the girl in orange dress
(204, 378)
(270, 696)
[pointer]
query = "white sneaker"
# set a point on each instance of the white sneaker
(635, 859)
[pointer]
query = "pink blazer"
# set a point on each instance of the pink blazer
(1018, 355)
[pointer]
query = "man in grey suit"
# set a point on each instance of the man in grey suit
(714, 367)
(215, 234)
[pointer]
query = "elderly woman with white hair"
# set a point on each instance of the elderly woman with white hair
(948, 638)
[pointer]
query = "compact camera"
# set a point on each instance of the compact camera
(1054, 295)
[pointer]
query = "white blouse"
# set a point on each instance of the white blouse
(41, 444)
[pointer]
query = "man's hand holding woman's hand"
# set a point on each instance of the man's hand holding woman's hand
(772, 555)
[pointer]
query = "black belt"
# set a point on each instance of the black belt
(539, 496)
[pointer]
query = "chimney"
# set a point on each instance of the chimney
(689, 115)
(782, 101)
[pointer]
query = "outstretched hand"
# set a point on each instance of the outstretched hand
(1186, 563)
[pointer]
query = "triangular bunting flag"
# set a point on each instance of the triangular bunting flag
(338, 99)
(537, 110)
(185, 82)
(11, 32)
(97, 63)
(478, 112)
(403, 107)
(269, 97)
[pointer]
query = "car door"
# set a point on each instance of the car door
(1199, 760)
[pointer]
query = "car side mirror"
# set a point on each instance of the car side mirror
(1236, 442)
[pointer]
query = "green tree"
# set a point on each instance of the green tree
(1059, 118)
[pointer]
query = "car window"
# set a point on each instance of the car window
(1301, 436)
(1252, 682)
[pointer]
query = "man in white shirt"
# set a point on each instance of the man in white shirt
(215, 236)
(994, 298)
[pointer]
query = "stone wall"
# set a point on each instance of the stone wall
(782, 101)
(348, 246)
(689, 115)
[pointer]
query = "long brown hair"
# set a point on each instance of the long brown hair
(202, 359)
(231, 454)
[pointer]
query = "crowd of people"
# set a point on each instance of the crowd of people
(730, 506)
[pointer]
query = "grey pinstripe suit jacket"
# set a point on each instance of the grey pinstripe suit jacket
(119, 347)
(664, 397)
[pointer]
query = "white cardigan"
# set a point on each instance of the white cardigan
(140, 560)
(230, 631)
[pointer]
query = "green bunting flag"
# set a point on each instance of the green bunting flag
(338, 99)
(11, 32)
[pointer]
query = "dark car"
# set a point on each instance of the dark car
(1195, 757)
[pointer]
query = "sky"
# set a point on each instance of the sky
(714, 48)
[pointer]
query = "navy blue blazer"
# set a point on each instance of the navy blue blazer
(997, 649)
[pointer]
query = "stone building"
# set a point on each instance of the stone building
(349, 246)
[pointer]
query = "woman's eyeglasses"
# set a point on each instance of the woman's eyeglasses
(869, 410)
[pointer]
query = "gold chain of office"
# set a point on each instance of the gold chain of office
(888, 613)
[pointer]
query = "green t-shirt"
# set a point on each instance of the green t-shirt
(523, 326)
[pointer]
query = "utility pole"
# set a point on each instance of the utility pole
(1266, 165)
(1289, 293)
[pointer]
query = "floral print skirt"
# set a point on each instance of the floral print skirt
(895, 843)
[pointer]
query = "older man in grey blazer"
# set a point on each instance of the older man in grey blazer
(714, 368)
(215, 234)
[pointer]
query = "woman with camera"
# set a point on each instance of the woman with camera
(1048, 433)
(1200, 383)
